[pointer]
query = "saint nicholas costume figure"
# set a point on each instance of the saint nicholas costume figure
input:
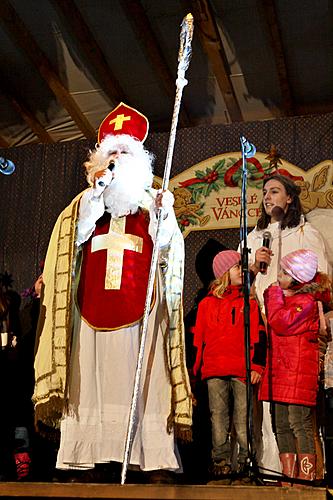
(96, 275)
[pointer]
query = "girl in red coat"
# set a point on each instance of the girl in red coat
(219, 339)
(291, 376)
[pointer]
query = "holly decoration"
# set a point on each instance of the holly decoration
(225, 173)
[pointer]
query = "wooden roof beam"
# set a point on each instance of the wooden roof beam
(267, 7)
(26, 114)
(314, 108)
(206, 28)
(4, 143)
(80, 31)
(32, 121)
(146, 36)
(23, 39)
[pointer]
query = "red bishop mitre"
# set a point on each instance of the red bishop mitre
(124, 120)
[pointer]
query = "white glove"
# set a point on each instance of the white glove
(169, 222)
(165, 200)
(101, 183)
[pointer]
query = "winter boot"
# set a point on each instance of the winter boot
(221, 472)
(306, 466)
(289, 466)
(22, 462)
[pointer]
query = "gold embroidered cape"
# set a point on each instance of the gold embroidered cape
(52, 361)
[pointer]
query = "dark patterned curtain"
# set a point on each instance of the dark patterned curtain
(47, 177)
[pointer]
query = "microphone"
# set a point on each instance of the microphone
(7, 167)
(110, 166)
(266, 242)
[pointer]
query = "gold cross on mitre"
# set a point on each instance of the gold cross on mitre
(119, 120)
(116, 241)
(124, 120)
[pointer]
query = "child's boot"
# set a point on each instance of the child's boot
(289, 466)
(306, 467)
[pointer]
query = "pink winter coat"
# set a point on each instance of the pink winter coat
(292, 368)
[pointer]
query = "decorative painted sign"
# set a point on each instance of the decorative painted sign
(208, 194)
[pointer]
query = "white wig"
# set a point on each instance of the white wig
(98, 159)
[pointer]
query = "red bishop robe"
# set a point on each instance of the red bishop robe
(114, 272)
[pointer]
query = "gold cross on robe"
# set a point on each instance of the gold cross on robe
(119, 120)
(115, 242)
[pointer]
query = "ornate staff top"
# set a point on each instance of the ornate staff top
(248, 149)
(185, 48)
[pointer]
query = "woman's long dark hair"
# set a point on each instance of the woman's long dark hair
(293, 215)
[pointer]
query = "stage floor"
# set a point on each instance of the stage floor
(157, 492)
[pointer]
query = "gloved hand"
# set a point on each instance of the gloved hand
(164, 199)
(102, 180)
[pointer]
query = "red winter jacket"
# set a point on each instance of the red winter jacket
(291, 374)
(219, 336)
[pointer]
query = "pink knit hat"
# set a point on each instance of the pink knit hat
(302, 265)
(224, 261)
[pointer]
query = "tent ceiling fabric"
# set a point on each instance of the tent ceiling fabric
(67, 63)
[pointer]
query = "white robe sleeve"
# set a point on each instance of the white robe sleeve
(91, 209)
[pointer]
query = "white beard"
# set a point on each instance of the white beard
(124, 195)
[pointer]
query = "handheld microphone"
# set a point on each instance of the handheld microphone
(110, 166)
(266, 242)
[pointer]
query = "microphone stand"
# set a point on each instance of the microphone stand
(248, 150)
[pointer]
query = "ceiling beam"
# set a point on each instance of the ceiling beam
(143, 30)
(23, 39)
(82, 35)
(207, 29)
(4, 143)
(268, 10)
(32, 121)
(26, 114)
(314, 108)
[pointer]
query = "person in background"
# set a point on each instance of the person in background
(35, 453)
(219, 338)
(291, 376)
(24, 420)
(10, 380)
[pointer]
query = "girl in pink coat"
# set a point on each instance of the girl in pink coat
(291, 376)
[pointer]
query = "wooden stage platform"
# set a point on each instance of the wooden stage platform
(157, 492)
